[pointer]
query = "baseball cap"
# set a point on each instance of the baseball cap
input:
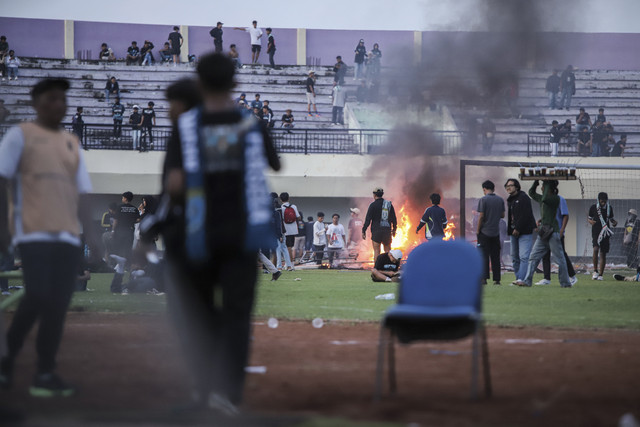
(378, 190)
(220, 23)
(633, 212)
(311, 72)
(355, 211)
(397, 253)
(136, 107)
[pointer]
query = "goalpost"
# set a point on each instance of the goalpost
(620, 182)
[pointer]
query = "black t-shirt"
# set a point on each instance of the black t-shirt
(133, 50)
(617, 148)
(374, 217)
(216, 33)
(147, 115)
(271, 43)
(593, 215)
(310, 85)
(225, 206)
(287, 118)
(361, 51)
(174, 39)
(585, 119)
(134, 119)
(126, 217)
(118, 111)
(384, 263)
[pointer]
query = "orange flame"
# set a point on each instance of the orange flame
(402, 238)
(448, 230)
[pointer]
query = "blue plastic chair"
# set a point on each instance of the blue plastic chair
(440, 298)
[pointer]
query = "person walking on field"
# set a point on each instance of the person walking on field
(490, 210)
(520, 226)
(382, 217)
(548, 234)
(213, 250)
(434, 220)
(46, 168)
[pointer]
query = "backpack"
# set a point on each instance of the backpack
(289, 215)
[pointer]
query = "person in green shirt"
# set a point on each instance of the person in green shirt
(549, 202)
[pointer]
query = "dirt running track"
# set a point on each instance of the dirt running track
(130, 372)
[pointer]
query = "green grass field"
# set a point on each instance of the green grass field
(350, 296)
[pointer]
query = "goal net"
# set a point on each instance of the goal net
(620, 182)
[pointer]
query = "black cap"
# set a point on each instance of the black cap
(220, 23)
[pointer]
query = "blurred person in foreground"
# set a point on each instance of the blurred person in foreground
(224, 190)
(43, 165)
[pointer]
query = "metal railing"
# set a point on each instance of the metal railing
(294, 140)
(538, 144)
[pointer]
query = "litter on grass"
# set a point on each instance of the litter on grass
(386, 296)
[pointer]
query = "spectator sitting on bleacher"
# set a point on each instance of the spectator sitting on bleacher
(106, 54)
(287, 119)
(235, 56)
(583, 120)
(12, 63)
(242, 97)
(133, 54)
(257, 113)
(111, 88)
(4, 112)
(267, 116)
(584, 142)
(145, 53)
(165, 53)
(256, 103)
(565, 132)
(618, 147)
(266, 104)
(601, 117)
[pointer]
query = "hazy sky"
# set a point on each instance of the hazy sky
(418, 15)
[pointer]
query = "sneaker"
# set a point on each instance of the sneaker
(573, 280)
(619, 277)
(222, 405)
(594, 276)
(50, 385)
(290, 269)
(497, 283)
(276, 275)
(517, 283)
(543, 282)
(310, 115)
(317, 115)
(599, 278)
(6, 293)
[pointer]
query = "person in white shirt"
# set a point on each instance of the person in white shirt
(256, 35)
(336, 238)
(319, 238)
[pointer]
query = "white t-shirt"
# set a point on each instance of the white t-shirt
(335, 236)
(254, 33)
(319, 234)
(290, 229)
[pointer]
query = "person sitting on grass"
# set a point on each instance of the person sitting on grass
(387, 266)
(622, 278)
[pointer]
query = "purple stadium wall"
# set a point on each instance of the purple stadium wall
(42, 38)
(325, 45)
(612, 51)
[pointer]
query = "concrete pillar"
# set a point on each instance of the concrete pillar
(301, 57)
(184, 51)
(417, 47)
(69, 42)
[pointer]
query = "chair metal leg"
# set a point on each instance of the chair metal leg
(485, 362)
(392, 363)
(474, 362)
(380, 365)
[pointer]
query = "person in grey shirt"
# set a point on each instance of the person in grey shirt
(490, 210)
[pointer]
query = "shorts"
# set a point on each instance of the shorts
(381, 236)
(255, 48)
(311, 98)
(290, 240)
(299, 243)
(175, 50)
(604, 244)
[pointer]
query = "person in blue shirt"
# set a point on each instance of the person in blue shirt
(434, 218)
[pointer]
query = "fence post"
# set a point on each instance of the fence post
(528, 142)
(306, 141)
